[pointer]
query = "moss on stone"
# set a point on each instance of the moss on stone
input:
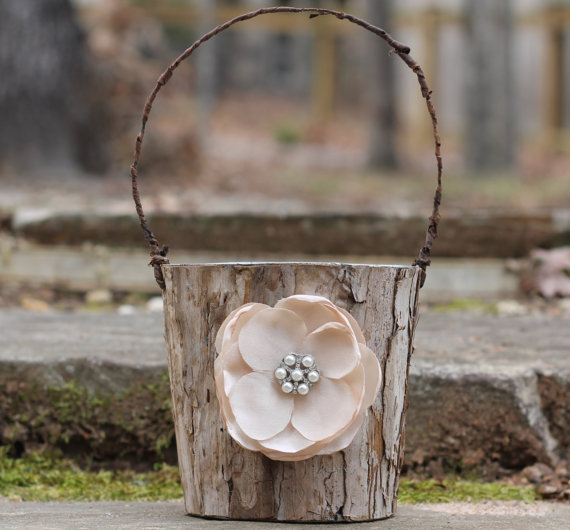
(48, 477)
(45, 477)
(454, 489)
(134, 427)
(467, 304)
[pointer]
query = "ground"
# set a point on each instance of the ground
(252, 169)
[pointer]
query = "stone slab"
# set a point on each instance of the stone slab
(484, 389)
(480, 234)
(123, 515)
(100, 267)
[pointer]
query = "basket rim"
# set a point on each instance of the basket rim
(320, 264)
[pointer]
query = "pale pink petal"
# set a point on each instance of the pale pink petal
(227, 320)
(260, 408)
(235, 321)
(269, 336)
(354, 325)
(327, 409)
(344, 440)
(288, 441)
(227, 415)
(373, 374)
(335, 349)
(314, 310)
(373, 380)
(294, 457)
(302, 454)
(355, 380)
(233, 430)
(233, 367)
(239, 436)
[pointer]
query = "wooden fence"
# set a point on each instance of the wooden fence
(551, 108)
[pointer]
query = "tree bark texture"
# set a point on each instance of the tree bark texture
(223, 480)
(491, 119)
(382, 149)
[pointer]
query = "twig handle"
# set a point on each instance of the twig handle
(158, 254)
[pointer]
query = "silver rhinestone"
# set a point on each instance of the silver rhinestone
(303, 389)
(313, 376)
(290, 359)
(287, 387)
(280, 373)
(296, 375)
(308, 361)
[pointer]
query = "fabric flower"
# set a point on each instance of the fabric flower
(294, 380)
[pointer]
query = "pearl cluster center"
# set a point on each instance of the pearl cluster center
(297, 373)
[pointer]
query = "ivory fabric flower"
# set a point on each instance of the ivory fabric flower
(294, 380)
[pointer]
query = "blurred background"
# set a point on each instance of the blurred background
(286, 138)
(308, 130)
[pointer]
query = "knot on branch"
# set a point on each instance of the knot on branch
(165, 77)
(423, 262)
(158, 258)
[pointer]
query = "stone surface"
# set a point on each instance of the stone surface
(497, 389)
(480, 234)
(97, 267)
(485, 389)
(123, 515)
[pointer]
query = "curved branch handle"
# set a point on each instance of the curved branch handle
(158, 254)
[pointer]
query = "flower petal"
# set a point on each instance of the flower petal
(240, 437)
(354, 325)
(233, 430)
(288, 441)
(314, 310)
(227, 415)
(293, 457)
(260, 408)
(373, 380)
(269, 336)
(325, 410)
(345, 439)
(235, 321)
(355, 380)
(373, 375)
(335, 349)
(233, 367)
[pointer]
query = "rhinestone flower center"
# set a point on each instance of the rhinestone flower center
(297, 373)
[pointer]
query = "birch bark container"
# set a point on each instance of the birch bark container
(219, 477)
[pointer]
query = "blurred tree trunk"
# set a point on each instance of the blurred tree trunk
(382, 90)
(44, 100)
(490, 135)
(207, 68)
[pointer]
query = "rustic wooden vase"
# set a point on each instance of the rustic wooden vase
(219, 477)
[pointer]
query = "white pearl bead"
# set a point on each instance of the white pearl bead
(290, 359)
(296, 375)
(308, 361)
(313, 376)
(280, 373)
(287, 387)
(303, 389)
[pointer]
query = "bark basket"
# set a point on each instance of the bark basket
(221, 479)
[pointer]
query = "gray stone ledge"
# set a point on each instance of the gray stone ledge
(476, 234)
(129, 515)
(483, 388)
